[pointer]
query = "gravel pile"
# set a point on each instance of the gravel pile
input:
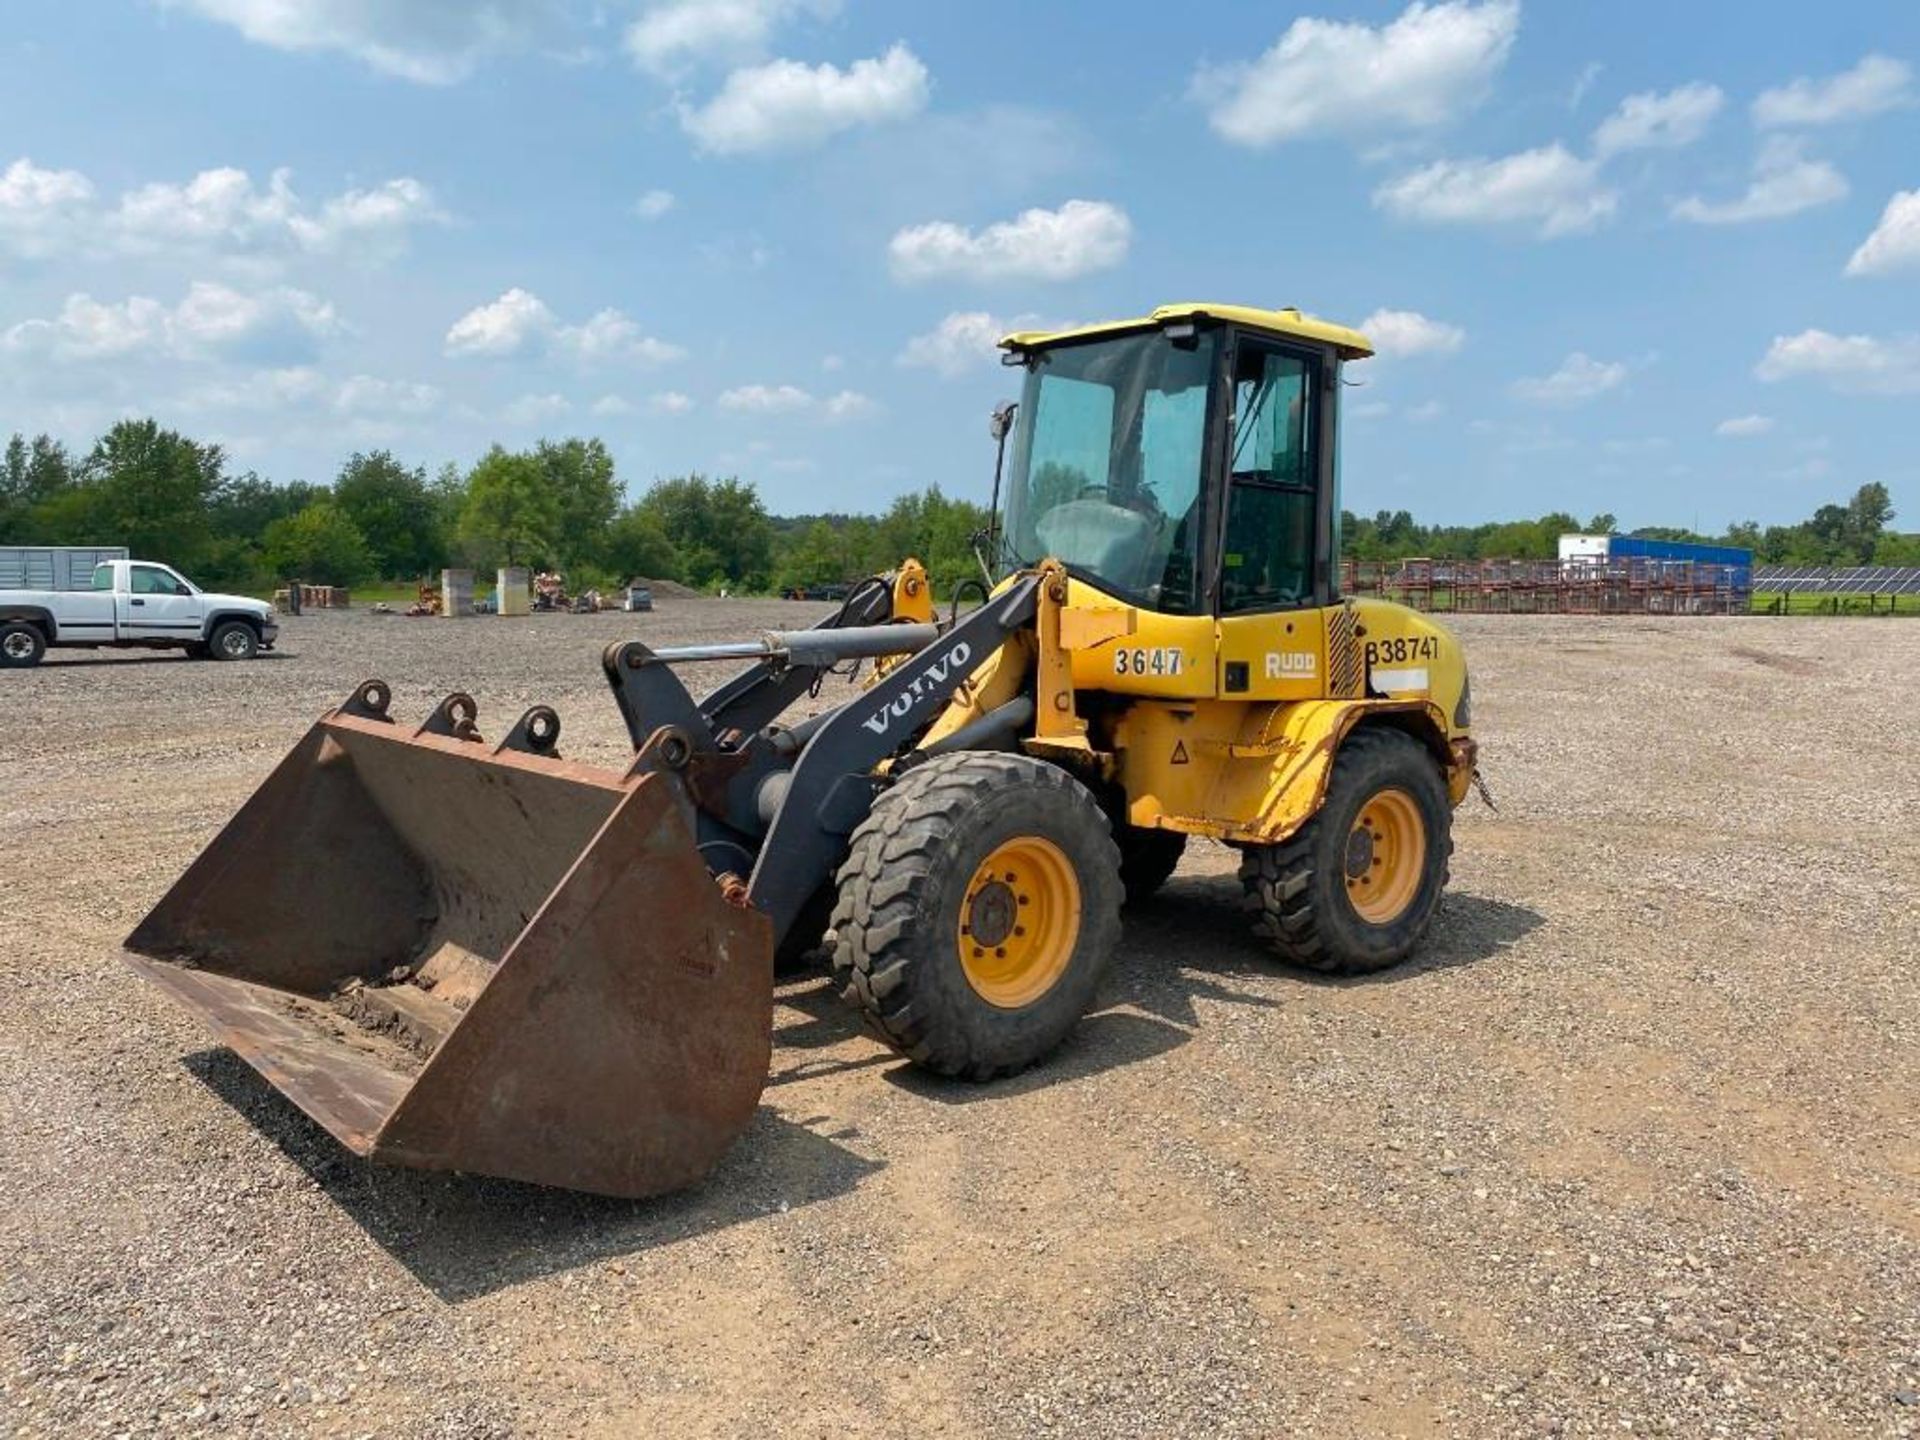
(1631, 1148)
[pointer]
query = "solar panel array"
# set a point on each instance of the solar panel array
(1836, 580)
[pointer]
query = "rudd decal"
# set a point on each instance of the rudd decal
(936, 674)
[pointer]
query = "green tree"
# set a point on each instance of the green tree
(390, 505)
(32, 475)
(718, 528)
(511, 512)
(239, 512)
(638, 549)
(818, 554)
(148, 489)
(320, 546)
(580, 474)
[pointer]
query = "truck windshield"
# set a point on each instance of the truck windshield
(1108, 453)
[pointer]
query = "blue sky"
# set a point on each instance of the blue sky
(1655, 259)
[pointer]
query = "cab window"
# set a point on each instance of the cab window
(1266, 562)
(151, 580)
(103, 577)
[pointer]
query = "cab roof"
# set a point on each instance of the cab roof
(1351, 344)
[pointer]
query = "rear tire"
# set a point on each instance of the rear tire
(1147, 859)
(21, 645)
(978, 907)
(233, 640)
(1355, 889)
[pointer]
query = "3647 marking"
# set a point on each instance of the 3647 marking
(1161, 660)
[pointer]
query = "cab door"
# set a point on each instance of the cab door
(158, 605)
(1273, 581)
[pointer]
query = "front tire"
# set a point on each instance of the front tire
(233, 640)
(21, 645)
(978, 907)
(1355, 889)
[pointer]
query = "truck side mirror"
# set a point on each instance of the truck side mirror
(1001, 421)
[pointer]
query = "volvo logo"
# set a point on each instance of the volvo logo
(935, 674)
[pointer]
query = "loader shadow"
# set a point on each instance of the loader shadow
(464, 1236)
(1192, 943)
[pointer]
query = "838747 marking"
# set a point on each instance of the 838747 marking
(1402, 648)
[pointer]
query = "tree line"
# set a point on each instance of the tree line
(1858, 532)
(561, 505)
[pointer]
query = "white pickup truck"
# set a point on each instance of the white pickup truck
(133, 603)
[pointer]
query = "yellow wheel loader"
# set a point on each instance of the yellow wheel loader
(476, 955)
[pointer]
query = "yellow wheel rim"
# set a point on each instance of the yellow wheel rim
(1386, 857)
(1019, 922)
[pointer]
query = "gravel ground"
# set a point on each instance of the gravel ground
(1632, 1148)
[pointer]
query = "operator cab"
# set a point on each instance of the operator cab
(1185, 462)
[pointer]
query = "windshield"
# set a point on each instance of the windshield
(1109, 449)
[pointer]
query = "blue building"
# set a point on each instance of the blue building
(1605, 549)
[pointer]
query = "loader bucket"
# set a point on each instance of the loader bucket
(460, 957)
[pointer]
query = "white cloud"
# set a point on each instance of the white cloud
(383, 213)
(1877, 84)
(1426, 410)
(1652, 121)
(432, 42)
(612, 405)
(505, 327)
(54, 211)
(40, 210)
(521, 323)
(654, 204)
(610, 338)
(784, 105)
(1580, 378)
(303, 390)
(670, 402)
(1741, 426)
(1369, 410)
(848, 405)
(1330, 76)
(532, 409)
(1847, 362)
(832, 364)
(1895, 241)
(368, 395)
(223, 208)
(1784, 183)
(1550, 187)
(209, 319)
(1408, 332)
(1082, 236)
(963, 340)
(1584, 82)
(766, 399)
(792, 400)
(669, 37)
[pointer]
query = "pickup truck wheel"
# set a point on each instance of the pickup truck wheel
(21, 645)
(233, 640)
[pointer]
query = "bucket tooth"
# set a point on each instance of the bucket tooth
(476, 958)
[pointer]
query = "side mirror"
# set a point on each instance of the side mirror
(1001, 421)
(180, 589)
